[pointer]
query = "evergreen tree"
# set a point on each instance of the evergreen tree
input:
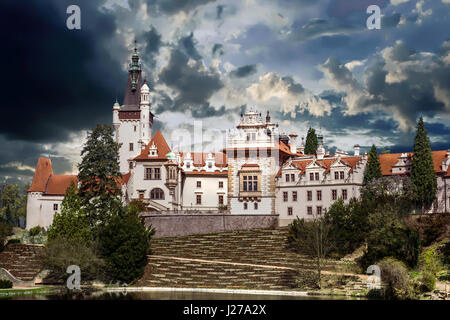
(72, 223)
(124, 242)
(99, 174)
(311, 143)
(422, 172)
(373, 169)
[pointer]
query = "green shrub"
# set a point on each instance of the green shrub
(444, 275)
(428, 282)
(390, 237)
(72, 223)
(124, 242)
(430, 261)
(13, 241)
(5, 231)
(394, 275)
(431, 227)
(445, 252)
(297, 236)
(35, 231)
(61, 253)
(5, 284)
(348, 224)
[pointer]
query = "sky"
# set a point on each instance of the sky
(311, 63)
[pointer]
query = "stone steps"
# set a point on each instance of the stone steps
(21, 260)
(175, 261)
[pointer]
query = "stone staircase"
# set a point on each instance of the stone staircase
(21, 260)
(253, 259)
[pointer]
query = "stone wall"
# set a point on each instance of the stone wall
(171, 225)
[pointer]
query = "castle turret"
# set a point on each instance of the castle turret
(145, 126)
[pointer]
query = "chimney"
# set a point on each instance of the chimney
(293, 143)
(356, 149)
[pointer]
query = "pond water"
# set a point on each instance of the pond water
(170, 295)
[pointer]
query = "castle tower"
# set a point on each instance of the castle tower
(145, 126)
(133, 120)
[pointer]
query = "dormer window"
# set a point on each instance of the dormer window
(153, 152)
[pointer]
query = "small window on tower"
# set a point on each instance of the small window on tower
(55, 206)
(131, 146)
(134, 128)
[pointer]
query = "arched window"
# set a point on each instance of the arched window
(157, 194)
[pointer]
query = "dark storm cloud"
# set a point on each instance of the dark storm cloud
(207, 110)
(53, 76)
(294, 87)
(217, 49)
(244, 71)
(152, 41)
(187, 45)
(219, 11)
(193, 83)
(391, 21)
(173, 6)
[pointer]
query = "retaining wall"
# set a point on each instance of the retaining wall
(171, 225)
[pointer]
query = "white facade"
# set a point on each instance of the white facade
(258, 172)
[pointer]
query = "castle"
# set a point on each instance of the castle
(258, 172)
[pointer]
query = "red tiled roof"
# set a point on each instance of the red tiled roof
(199, 158)
(325, 163)
(41, 174)
(125, 178)
(161, 145)
(387, 161)
(58, 184)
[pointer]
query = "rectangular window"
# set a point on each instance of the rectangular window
(294, 196)
(157, 173)
(342, 175)
(245, 206)
(317, 176)
(256, 205)
(285, 196)
(141, 194)
(319, 195)
(290, 211)
(336, 175)
(292, 177)
(309, 195)
(148, 174)
(309, 211)
(311, 176)
(199, 199)
(319, 211)
(220, 199)
(220, 184)
(131, 146)
(287, 177)
(334, 194)
(55, 206)
(130, 165)
(199, 184)
(344, 194)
